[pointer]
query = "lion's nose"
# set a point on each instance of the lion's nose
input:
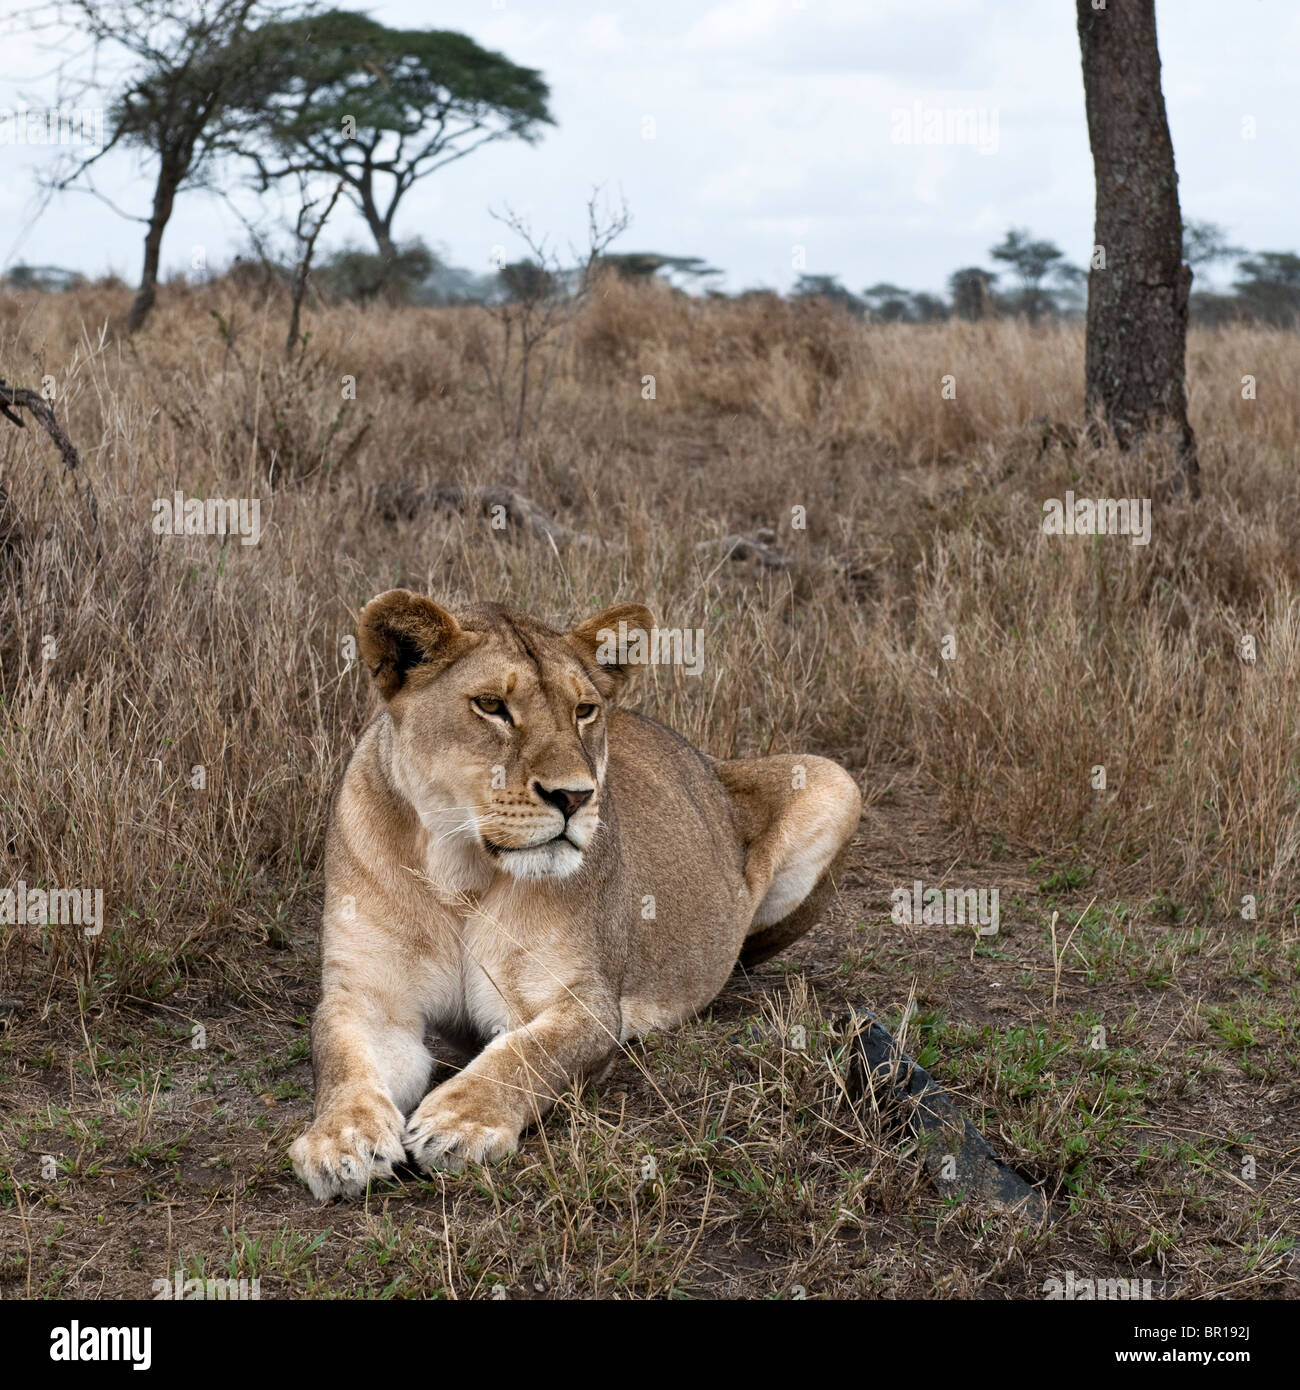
(566, 800)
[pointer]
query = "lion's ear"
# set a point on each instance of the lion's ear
(609, 642)
(399, 631)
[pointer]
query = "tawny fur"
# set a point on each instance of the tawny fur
(451, 904)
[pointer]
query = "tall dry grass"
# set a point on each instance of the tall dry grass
(922, 522)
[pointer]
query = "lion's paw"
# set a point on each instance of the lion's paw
(348, 1146)
(446, 1132)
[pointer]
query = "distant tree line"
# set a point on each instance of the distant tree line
(1037, 284)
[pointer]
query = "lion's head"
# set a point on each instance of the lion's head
(499, 724)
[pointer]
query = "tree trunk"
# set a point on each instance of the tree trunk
(163, 200)
(381, 228)
(1137, 304)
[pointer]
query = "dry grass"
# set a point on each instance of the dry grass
(922, 521)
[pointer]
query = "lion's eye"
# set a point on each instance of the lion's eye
(585, 712)
(490, 704)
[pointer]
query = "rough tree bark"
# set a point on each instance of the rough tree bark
(1137, 305)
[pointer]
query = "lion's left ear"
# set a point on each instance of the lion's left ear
(603, 642)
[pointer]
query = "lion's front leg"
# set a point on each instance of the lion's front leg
(479, 1115)
(371, 1065)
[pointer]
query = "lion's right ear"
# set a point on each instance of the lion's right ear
(602, 642)
(400, 631)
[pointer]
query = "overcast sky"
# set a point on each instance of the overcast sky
(777, 124)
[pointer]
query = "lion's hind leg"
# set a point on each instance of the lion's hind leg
(796, 816)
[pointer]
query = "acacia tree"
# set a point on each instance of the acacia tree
(1034, 261)
(644, 266)
(381, 108)
(1268, 286)
(187, 73)
(1204, 243)
(888, 303)
(828, 287)
(1137, 303)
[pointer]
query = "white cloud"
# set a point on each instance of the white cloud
(604, 33)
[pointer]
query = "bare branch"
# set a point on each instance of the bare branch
(24, 399)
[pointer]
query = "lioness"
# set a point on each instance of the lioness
(514, 861)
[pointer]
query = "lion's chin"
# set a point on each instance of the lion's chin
(555, 859)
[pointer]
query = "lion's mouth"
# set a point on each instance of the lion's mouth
(562, 838)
